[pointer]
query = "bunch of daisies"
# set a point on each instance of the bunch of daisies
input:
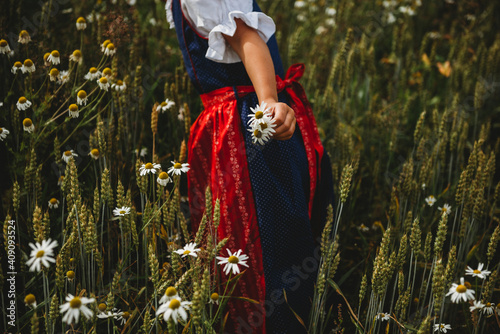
(261, 124)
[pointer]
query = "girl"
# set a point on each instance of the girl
(273, 196)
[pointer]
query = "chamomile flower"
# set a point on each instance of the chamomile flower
(63, 77)
(149, 168)
(178, 168)
(81, 97)
(67, 155)
(28, 66)
(60, 180)
(114, 313)
(189, 249)
(488, 309)
(446, 208)
(476, 305)
(163, 179)
(479, 272)
(330, 11)
(108, 73)
(54, 58)
(170, 293)
(460, 291)
(18, 66)
(110, 49)
(124, 210)
(4, 47)
(383, 316)
(104, 44)
(23, 103)
(24, 37)
(165, 105)
(70, 274)
(73, 111)
(119, 86)
(232, 262)
(41, 254)
(407, 10)
(81, 24)
(299, 4)
(214, 298)
(363, 228)
(174, 309)
(103, 83)
(262, 132)
(28, 125)
(45, 61)
(94, 153)
(76, 56)
(430, 200)
(260, 114)
(3, 133)
(54, 74)
(442, 328)
(93, 74)
(74, 306)
(30, 300)
(53, 203)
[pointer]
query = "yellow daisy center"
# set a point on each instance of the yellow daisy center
(24, 33)
(54, 72)
(94, 152)
(22, 100)
(103, 80)
(163, 104)
(73, 107)
(177, 165)
(163, 175)
(75, 303)
(174, 304)
(93, 70)
(18, 64)
(3, 43)
(257, 133)
(27, 122)
(82, 94)
(80, 20)
(53, 201)
(171, 291)
(106, 42)
(29, 299)
(1, 130)
(263, 126)
(40, 253)
(126, 315)
(186, 252)
(68, 153)
(77, 53)
(122, 212)
(71, 259)
(233, 259)
(70, 274)
(467, 285)
(55, 54)
(149, 165)
(259, 114)
(461, 288)
(102, 307)
(476, 271)
(107, 71)
(45, 56)
(488, 305)
(214, 296)
(119, 82)
(110, 46)
(28, 63)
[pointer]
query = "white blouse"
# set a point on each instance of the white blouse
(212, 18)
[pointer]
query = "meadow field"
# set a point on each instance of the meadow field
(95, 113)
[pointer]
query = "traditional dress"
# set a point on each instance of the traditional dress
(273, 197)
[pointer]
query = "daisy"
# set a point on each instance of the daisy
(479, 272)
(73, 307)
(383, 316)
(142, 152)
(114, 313)
(23, 103)
(442, 328)
(149, 168)
(299, 4)
(119, 86)
(174, 309)
(30, 300)
(18, 66)
(54, 58)
(178, 168)
(260, 115)
(28, 66)
(3, 133)
(189, 249)
(53, 203)
(110, 49)
(45, 61)
(68, 155)
(262, 132)
(364, 228)
(170, 293)
(488, 309)
(124, 210)
(60, 180)
(41, 254)
(70, 274)
(24, 37)
(476, 305)
(93, 74)
(73, 111)
(163, 179)
(76, 56)
(460, 291)
(446, 208)
(104, 45)
(81, 24)
(165, 105)
(232, 261)
(54, 74)
(81, 97)
(94, 153)
(430, 200)
(107, 72)
(330, 11)
(214, 298)
(4, 47)
(63, 77)
(103, 83)
(28, 125)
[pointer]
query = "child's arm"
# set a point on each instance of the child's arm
(255, 55)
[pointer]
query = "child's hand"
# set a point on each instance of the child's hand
(284, 118)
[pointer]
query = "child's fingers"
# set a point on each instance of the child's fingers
(285, 123)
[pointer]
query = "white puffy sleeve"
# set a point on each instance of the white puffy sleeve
(213, 18)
